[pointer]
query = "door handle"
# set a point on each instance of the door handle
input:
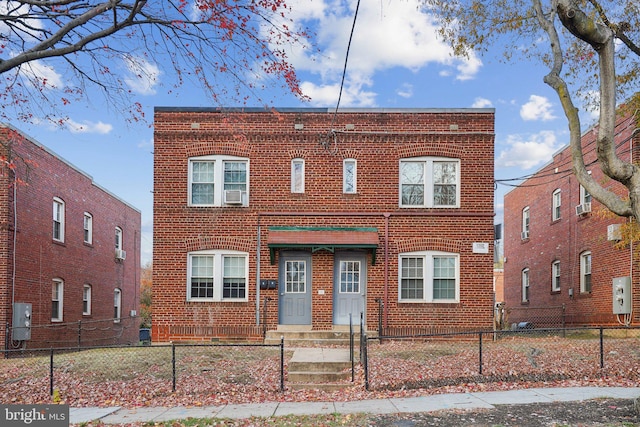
(282, 294)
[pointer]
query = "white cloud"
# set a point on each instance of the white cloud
(352, 95)
(538, 108)
(526, 154)
(481, 103)
(88, 127)
(40, 75)
(405, 91)
(143, 76)
(386, 36)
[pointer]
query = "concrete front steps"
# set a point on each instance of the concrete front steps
(327, 369)
(303, 336)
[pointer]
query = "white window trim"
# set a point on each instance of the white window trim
(583, 272)
(218, 265)
(428, 181)
(294, 187)
(117, 304)
(86, 288)
(61, 220)
(526, 222)
(583, 195)
(555, 276)
(526, 285)
(346, 162)
(119, 239)
(87, 227)
(556, 202)
(60, 284)
(218, 180)
(428, 276)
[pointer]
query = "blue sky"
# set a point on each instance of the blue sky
(395, 61)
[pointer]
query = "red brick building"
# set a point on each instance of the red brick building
(319, 217)
(560, 244)
(68, 247)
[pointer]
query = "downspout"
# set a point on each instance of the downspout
(258, 275)
(385, 307)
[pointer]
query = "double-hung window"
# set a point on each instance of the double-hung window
(525, 285)
(58, 219)
(429, 277)
(218, 181)
(88, 228)
(525, 223)
(585, 272)
(117, 305)
(217, 276)
(57, 299)
(349, 175)
(430, 182)
(297, 176)
(555, 276)
(556, 201)
(86, 300)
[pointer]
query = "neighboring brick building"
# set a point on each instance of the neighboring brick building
(77, 251)
(260, 208)
(560, 261)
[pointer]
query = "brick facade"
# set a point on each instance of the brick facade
(564, 239)
(39, 259)
(377, 140)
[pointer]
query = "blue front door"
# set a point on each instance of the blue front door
(349, 282)
(294, 299)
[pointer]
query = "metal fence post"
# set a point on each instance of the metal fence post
(282, 363)
(365, 365)
(480, 352)
(173, 365)
(6, 341)
(51, 373)
(79, 334)
(601, 348)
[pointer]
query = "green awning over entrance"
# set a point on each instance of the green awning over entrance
(323, 238)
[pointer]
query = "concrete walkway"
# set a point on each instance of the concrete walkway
(118, 415)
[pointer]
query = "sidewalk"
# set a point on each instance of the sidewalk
(488, 400)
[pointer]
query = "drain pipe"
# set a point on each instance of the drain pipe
(258, 276)
(386, 270)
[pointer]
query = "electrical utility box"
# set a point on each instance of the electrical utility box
(21, 321)
(622, 295)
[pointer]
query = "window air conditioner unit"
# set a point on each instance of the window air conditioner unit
(233, 197)
(120, 254)
(583, 209)
(614, 233)
(525, 235)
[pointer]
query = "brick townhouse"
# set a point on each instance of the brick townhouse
(69, 252)
(561, 250)
(306, 218)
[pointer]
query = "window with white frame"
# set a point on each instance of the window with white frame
(218, 181)
(58, 219)
(585, 272)
(88, 228)
(556, 202)
(525, 285)
(117, 305)
(429, 276)
(86, 300)
(57, 299)
(585, 196)
(525, 223)
(297, 175)
(430, 182)
(217, 276)
(349, 176)
(555, 276)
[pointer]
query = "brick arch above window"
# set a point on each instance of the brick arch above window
(219, 242)
(430, 244)
(219, 148)
(443, 149)
(349, 153)
(297, 154)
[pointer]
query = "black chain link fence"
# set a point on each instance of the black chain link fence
(139, 374)
(425, 361)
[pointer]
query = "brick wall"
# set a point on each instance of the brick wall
(378, 140)
(565, 239)
(40, 259)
